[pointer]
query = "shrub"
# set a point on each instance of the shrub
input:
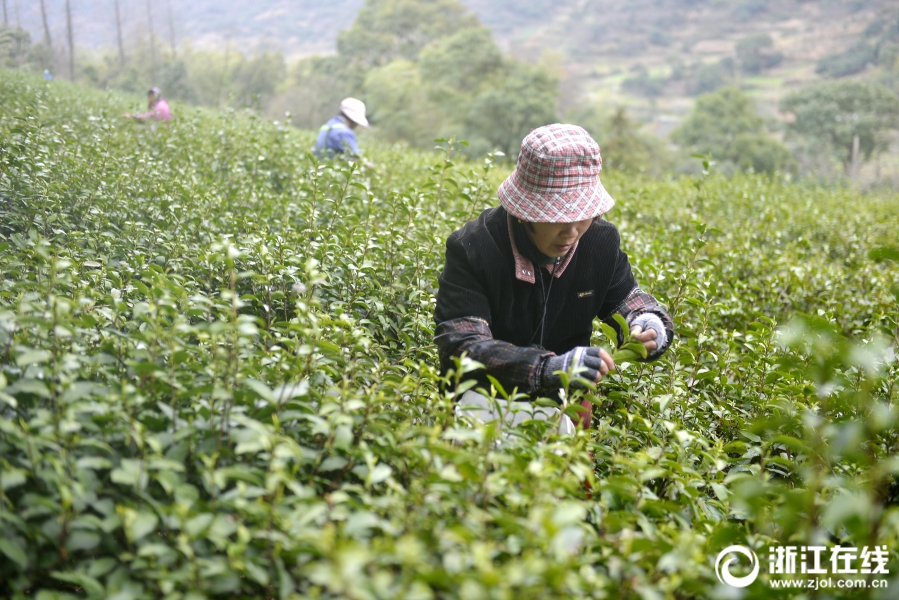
(706, 78)
(644, 84)
(854, 60)
(217, 377)
(763, 154)
(659, 38)
(14, 46)
(755, 53)
(746, 10)
(831, 115)
(716, 120)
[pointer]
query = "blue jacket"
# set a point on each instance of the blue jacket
(335, 137)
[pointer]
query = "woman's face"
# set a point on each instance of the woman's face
(555, 239)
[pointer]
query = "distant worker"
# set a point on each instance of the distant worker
(47, 75)
(157, 108)
(337, 135)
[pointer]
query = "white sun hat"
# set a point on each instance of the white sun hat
(354, 110)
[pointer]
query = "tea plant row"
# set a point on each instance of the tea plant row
(217, 377)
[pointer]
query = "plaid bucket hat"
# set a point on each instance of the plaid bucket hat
(556, 179)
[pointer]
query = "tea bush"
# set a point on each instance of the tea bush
(217, 377)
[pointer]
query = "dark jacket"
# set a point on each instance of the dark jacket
(494, 317)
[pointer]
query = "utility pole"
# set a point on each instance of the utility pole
(152, 41)
(71, 41)
(168, 5)
(47, 37)
(853, 164)
(218, 93)
(118, 28)
(5, 18)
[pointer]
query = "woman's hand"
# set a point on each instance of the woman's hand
(647, 338)
(590, 362)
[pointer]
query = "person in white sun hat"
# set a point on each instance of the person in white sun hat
(337, 136)
(524, 281)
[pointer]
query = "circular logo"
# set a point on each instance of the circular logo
(722, 570)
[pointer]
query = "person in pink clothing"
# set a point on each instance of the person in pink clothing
(157, 108)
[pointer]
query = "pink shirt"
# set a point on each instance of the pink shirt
(160, 112)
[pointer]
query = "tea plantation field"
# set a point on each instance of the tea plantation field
(217, 378)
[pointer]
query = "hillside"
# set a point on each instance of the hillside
(605, 46)
(653, 57)
(295, 27)
(599, 42)
(218, 378)
(650, 59)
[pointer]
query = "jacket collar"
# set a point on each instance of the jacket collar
(524, 267)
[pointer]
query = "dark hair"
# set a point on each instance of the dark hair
(529, 225)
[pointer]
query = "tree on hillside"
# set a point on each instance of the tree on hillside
(852, 60)
(255, 79)
(14, 45)
(71, 40)
(624, 148)
(463, 91)
(426, 69)
(452, 72)
(702, 78)
(462, 63)
(152, 41)
(504, 114)
(429, 69)
(47, 39)
(389, 29)
(317, 84)
(168, 6)
(848, 118)
(725, 125)
(873, 48)
(644, 84)
(755, 53)
(717, 119)
(400, 106)
(175, 80)
(384, 31)
(118, 29)
(761, 153)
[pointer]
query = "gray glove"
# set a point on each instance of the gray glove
(582, 356)
(652, 321)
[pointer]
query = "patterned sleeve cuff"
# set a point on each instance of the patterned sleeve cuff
(513, 366)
